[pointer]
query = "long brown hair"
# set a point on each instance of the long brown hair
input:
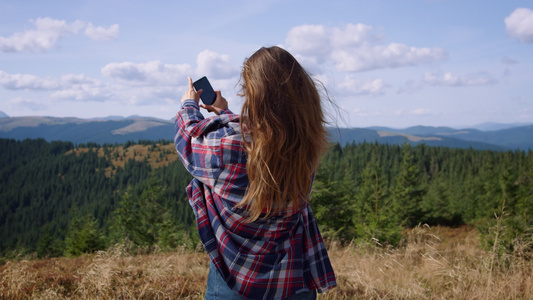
(282, 115)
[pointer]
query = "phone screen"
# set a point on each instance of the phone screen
(208, 95)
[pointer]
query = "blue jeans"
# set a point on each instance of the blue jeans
(218, 289)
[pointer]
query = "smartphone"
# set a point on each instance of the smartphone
(208, 95)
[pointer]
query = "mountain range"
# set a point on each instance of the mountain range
(117, 129)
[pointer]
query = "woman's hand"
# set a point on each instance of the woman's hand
(219, 104)
(191, 94)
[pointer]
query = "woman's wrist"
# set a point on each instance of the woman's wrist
(189, 103)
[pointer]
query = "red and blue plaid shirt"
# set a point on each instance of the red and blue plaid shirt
(270, 258)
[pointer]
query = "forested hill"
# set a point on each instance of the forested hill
(60, 199)
(120, 130)
(53, 193)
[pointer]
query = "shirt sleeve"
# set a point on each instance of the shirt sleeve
(197, 153)
(197, 140)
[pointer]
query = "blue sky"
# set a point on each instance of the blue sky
(395, 63)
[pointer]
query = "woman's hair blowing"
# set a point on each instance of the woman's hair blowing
(283, 117)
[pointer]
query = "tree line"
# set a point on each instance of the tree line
(374, 191)
(55, 202)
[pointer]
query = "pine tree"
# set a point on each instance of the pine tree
(374, 218)
(144, 219)
(408, 193)
(83, 236)
(332, 204)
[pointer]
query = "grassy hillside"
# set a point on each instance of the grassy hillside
(156, 155)
(434, 263)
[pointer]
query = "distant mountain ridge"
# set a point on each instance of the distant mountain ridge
(118, 129)
(102, 130)
(491, 126)
(509, 138)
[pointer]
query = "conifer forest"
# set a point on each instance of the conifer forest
(61, 199)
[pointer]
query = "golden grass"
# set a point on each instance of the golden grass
(107, 275)
(157, 156)
(438, 263)
(435, 263)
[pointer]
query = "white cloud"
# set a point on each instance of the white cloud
(69, 87)
(35, 83)
(379, 57)
(209, 63)
(354, 86)
(310, 40)
(78, 87)
(353, 35)
(26, 82)
(78, 79)
(421, 111)
(142, 83)
(398, 112)
(148, 95)
(101, 34)
(520, 25)
(310, 63)
(154, 90)
(356, 48)
(449, 79)
(214, 65)
(32, 104)
(150, 73)
(134, 83)
(82, 93)
(47, 33)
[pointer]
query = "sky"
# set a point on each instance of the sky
(395, 63)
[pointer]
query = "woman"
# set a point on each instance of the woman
(252, 180)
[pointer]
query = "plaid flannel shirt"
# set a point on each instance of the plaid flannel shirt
(265, 259)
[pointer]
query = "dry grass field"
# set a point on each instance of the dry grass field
(434, 263)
